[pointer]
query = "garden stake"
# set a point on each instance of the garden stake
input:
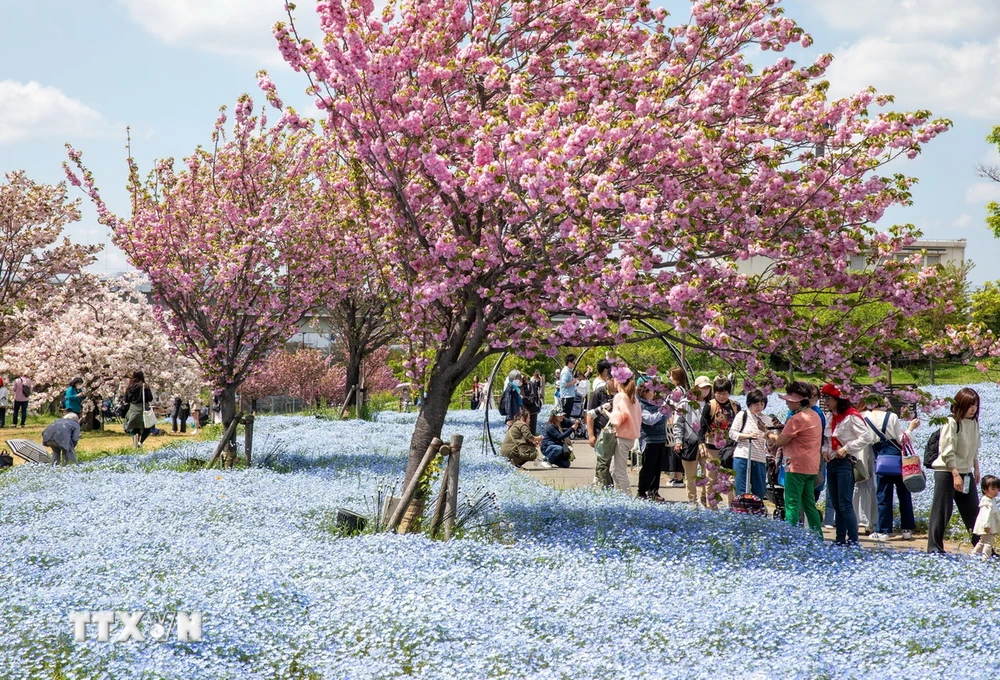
(411, 489)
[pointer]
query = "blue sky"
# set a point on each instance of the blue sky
(80, 71)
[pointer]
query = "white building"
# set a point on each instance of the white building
(934, 253)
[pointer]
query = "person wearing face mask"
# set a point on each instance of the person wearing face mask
(716, 419)
(511, 402)
(750, 457)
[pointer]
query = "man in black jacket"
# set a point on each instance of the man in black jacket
(531, 397)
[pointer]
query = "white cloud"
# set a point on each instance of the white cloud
(936, 54)
(962, 221)
(30, 110)
(947, 79)
(981, 193)
(234, 27)
(912, 19)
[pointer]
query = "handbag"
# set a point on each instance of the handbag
(888, 455)
(747, 503)
(728, 452)
(914, 478)
(689, 452)
(861, 473)
(606, 443)
(148, 416)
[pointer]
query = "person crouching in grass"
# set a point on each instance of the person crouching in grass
(62, 436)
(519, 446)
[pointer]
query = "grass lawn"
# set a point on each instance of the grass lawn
(109, 442)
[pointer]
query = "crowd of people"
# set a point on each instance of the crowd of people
(133, 406)
(705, 442)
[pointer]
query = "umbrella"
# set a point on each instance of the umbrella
(29, 451)
(402, 385)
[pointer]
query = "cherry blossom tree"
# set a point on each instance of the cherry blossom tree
(587, 161)
(363, 323)
(105, 331)
(307, 375)
(231, 242)
(34, 262)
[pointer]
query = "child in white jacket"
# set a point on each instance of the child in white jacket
(988, 521)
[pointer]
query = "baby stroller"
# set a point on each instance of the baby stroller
(576, 420)
(775, 491)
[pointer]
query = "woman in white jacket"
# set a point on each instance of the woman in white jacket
(956, 470)
(750, 457)
(850, 438)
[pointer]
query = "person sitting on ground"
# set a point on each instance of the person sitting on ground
(519, 446)
(62, 436)
(554, 441)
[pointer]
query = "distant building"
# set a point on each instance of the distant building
(315, 329)
(934, 252)
(938, 252)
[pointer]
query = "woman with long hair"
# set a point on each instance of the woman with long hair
(554, 453)
(956, 470)
(850, 438)
(139, 397)
(626, 417)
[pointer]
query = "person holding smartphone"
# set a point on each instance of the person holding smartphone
(956, 470)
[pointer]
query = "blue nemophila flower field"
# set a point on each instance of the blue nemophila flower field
(576, 584)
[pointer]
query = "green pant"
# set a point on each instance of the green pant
(800, 495)
(602, 473)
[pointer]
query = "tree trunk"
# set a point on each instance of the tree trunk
(227, 402)
(354, 360)
(90, 422)
(430, 420)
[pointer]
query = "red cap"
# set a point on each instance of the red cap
(831, 390)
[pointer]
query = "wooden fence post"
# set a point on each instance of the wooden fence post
(226, 438)
(442, 499)
(452, 479)
(411, 488)
(248, 438)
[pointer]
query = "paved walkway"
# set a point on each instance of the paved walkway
(581, 474)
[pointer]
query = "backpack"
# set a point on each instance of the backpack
(531, 396)
(931, 451)
(506, 405)
(25, 389)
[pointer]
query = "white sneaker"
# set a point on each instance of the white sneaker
(880, 537)
(907, 535)
(546, 464)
